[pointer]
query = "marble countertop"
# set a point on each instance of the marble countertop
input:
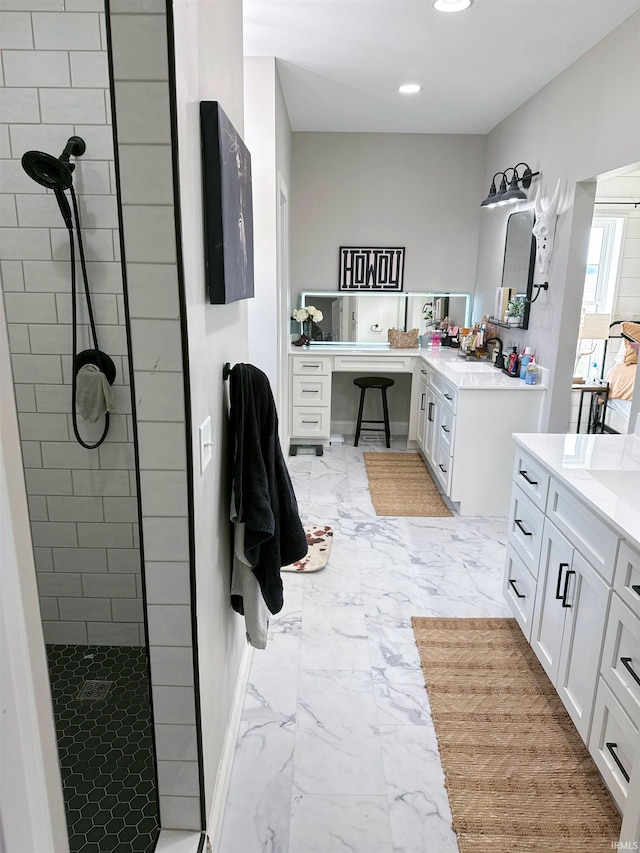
(602, 470)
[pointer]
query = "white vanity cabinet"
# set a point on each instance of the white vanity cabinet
(310, 397)
(423, 390)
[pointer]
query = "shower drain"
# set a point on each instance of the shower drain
(94, 689)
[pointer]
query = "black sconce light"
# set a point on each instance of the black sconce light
(513, 193)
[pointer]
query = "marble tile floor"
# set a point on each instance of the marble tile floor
(336, 751)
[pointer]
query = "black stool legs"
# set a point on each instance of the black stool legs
(385, 409)
(382, 384)
(359, 423)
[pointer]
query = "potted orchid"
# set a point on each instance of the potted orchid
(307, 316)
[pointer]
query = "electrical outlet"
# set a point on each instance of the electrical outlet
(206, 448)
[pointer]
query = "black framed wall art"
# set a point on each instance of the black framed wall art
(371, 268)
(228, 207)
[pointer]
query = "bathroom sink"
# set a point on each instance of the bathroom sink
(624, 484)
(471, 367)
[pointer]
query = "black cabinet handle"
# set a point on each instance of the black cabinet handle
(518, 521)
(309, 391)
(445, 429)
(636, 588)
(447, 397)
(611, 747)
(515, 589)
(442, 468)
(528, 479)
(560, 568)
(309, 422)
(626, 662)
(423, 371)
(430, 413)
(311, 365)
(422, 399)
(565, 591)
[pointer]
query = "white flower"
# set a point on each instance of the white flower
(314, 313)
(308, 313)
(300, 314)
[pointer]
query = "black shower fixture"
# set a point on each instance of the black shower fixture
(55, 173)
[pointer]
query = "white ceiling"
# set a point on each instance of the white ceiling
(341, 61)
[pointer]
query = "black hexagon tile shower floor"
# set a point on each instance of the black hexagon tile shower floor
(105, 747)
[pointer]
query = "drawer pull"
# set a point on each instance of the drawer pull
(445, 429)
(310, 391)
(518, 521)
(309, 422)
(565, 591)
(528, 479)
(430, 418)
(447, 397)
(611, 747)
(560, 568)
(311, 365)
(442, 468)
(422, 399)
(626, 662)
(423, 371)
(515, 589)
(636, 588)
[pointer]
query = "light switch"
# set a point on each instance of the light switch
(206, 448)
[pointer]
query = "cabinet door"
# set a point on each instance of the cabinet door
(586, 599)
(549, 614)
(432, 420)
(420, 435)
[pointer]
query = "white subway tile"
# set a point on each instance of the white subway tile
(11, 276)
(153, 291)
(173, 704)
(85, 609)
(25, 398)
(169, 624)
(18, 337)
(178, 778)
(15, 31)
(171, 665)
(104, 535)
(34, 5)
(99, 211)
(120, 509)
(40, 68)
(37, 508)
(14, 179)
(8, 213)
(59, 454)
(105, 308)
(38, 137)
(180, 812)
(72, 105)
(67, 31)
(168, 583)
(75, 509)
(20, 106)
(24, 244)
(164, 493)
(159, 396)
(60, 583)
(54, 534)
(53, 398)
(99, 141)
(123, 560)
(98, 244)
(109, 586)
(80, 560)
(89, 69)
(43, 559)
(92, 432)
(166, 539)
(43, 482)
(113, 634)
(30, 308)
(136, 535)
(113, 339)
(105, 277)
(143, 112)
(38, 211)
(84, 6)
(36, 368)
(149, 233)
(162, 446)
(92, 178)
(104, 42)
(139, 47)
(156, 345)
(73, 633)
(50, 339)
(127, 609)
(49, 609)
(122, 399)
(47, 276)
(5, 143)
(31, 454)
(117, 455)
(37, 427)
(630, 268)
(100, 482)
(176, 742)
(129, 7)
(146, 173)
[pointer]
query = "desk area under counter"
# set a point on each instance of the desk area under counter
(459, 414)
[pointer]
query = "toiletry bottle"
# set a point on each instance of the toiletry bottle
(527, 355)
(512, 366)
(532, 373)
(593, 373)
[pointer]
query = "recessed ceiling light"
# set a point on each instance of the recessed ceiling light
(409, 88)
(452, 5)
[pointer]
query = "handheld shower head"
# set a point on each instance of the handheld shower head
(54, 173)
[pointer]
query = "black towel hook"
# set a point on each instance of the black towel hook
(226, 370)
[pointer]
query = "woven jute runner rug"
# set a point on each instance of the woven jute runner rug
(400, 485)
(518, 775)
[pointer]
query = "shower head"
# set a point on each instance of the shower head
(54, 173)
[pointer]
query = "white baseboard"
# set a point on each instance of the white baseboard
(228, 750)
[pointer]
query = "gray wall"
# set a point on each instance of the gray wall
(82, 503)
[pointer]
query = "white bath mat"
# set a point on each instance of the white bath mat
(319, 538)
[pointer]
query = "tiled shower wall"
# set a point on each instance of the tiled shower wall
(82, 502)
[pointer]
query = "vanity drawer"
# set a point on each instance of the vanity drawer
(525, 526)
(626, 580)
(308, 365)
(519, 589)
(311, 390)
(531, 477)
(446, 428)
(443, 464)
(373, 363)
(591, 536)
(449, 396)
(621, 658)
(308, 422)
(613, 736)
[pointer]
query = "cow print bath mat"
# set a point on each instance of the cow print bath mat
(319, 538)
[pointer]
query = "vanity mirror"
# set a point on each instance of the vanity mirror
(365, 318)
(519, 260)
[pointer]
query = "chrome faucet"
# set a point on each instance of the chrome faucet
(499, 359)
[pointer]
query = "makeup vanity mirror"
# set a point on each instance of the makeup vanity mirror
(519, 258)
(365, 318)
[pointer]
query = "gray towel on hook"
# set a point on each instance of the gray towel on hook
(93, 393)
